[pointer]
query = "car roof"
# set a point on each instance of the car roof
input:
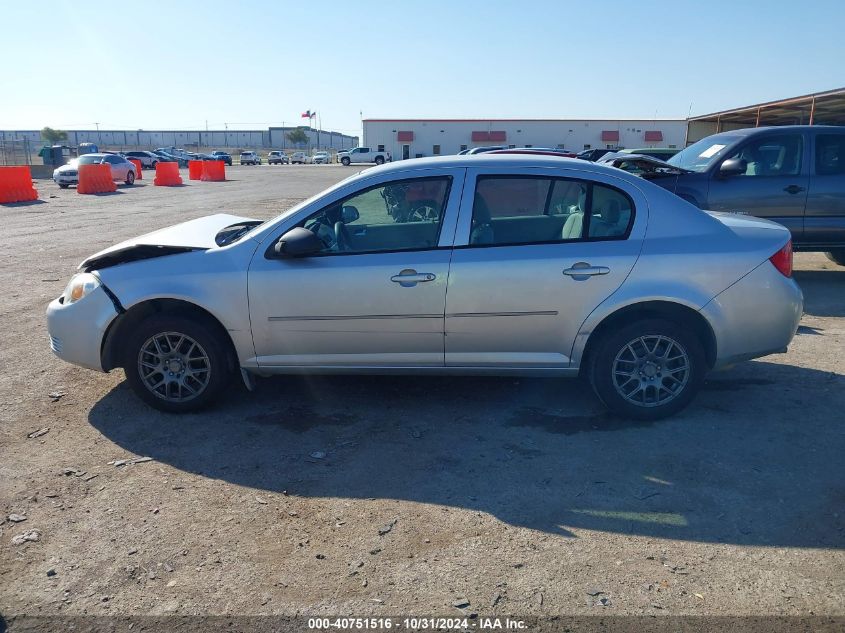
(501, 161)
(748, 131)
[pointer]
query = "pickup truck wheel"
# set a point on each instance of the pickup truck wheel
(345, 161)
(647, 370)
(176, 363)
(837, 256)
(379, 160)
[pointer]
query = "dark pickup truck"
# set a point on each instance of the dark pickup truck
(794, 175)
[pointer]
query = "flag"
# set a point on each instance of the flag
(308, 114)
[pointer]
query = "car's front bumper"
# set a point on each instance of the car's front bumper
(62, 179)
(77, 329)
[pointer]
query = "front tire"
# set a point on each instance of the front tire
(176, 363)
(837, 256)
(345, 161)
(647, 370)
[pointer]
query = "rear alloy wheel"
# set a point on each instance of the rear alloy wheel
(647, 370)
(837, 256)
(176, 363)
(379, 160)
(130, 178)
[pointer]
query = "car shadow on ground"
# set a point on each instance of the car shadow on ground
(756, 460)
(824, 291)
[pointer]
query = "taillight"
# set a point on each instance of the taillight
(782, 260)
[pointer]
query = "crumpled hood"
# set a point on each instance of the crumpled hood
(196, 234)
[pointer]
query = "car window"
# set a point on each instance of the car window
(531, 210)
(114, 160)
(397, 216)
(772, 156)
(830, 154)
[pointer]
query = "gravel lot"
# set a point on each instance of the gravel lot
(402, 495)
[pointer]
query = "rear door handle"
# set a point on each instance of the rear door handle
(409, 277)
(583, 270)
(793, 189)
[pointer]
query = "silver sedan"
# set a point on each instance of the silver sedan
(121, 169)
(527, 265)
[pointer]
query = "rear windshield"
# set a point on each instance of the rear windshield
(90, 160)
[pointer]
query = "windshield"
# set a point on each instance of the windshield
(700, 156)
(255, 231)
(90, 160)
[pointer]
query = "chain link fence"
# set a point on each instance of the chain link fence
(15, 152)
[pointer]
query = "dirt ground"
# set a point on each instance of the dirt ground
(402, 495)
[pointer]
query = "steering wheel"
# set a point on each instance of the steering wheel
(343, 237)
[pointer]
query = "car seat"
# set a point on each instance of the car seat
(482, 223)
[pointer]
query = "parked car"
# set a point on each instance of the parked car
(593, 154)
(298, 158)
(794, 175)
(226, 157)
(644, 166)
(485, 149)
(663, 153)
(553, 267)
(169, 158)
(539, 151)
(177, 152)
(121, 169)
(365, 155)
(148, 159)
(277, 157)
(250, 158)
(200, 156)
(321, 158)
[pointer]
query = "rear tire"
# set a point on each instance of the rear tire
(64, 186)
(379, 160)
(130, 178)
(152, 348)
(647, 370)
(837, 256)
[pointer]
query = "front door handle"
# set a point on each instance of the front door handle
(583, 270)
(409, 277)
(793, 189)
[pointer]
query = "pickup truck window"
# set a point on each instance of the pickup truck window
(830, 154)
(772, 155)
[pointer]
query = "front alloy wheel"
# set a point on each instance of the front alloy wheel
(177, 362)
(647, 370)
(174, 367)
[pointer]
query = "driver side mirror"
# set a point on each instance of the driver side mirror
(298, 242)
(349, 214)
(733, 167)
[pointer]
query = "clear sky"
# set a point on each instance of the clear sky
(176, 65)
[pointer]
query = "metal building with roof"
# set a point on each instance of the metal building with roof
(818, 108)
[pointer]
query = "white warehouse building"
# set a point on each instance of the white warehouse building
(415, 138)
